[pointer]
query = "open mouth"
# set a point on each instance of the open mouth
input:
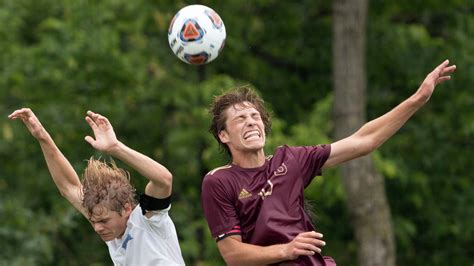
(251, 134)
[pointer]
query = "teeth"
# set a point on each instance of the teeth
(251, 134)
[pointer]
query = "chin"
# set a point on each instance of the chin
(107, 238)
(255, 148)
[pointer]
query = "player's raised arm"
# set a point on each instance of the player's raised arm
(63, 174)
(374, 133)
(106, 141)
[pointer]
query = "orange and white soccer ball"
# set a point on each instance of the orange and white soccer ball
(196, 34)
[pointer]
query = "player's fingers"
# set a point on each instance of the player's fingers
(91, 123)
(23, 116)
(317, 242)
(311, 234)
(443, 79)
(19, 112)
(90, 140)
(307, 246)
(439, 69)
(13, 114)
(448, 70)
(304, 252)
(98, 118)
(103, 120)
(311, 241)
(92, 115)
(443, 65)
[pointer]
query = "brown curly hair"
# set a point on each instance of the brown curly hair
(235, 96)
(107, 185)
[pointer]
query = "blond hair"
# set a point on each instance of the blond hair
(106, 185)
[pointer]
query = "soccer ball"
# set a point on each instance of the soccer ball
(196, 34)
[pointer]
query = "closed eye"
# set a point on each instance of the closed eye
(256, 116)
(240, 118)
(103, 221)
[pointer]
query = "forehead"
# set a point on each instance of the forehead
(240, 108)
(101, 212)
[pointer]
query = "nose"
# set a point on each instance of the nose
(251, 121)
(98, 227)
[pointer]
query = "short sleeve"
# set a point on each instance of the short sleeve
(311, 159)
(159, 223)
(156, 220)
(218, 206)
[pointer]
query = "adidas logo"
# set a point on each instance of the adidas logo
(244, 194)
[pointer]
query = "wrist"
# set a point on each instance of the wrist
(115, 148)
(283, 252)
(422, 95)
(417, 100)
(43, 137)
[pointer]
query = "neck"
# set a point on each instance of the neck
(249, 159)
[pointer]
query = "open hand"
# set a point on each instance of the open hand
(439, 75)
(31, 122)
(105, 139)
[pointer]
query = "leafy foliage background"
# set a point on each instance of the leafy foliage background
(62, 58)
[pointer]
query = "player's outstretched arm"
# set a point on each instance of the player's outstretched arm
(374, 133)
(106, 141)
(63, 174)
(235, 252)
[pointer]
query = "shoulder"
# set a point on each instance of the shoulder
(282, 151)
(157, 218)
(321, 151)
(137, 213)
(297, 149)
(220, 180)
(217, 175)
(219, 170)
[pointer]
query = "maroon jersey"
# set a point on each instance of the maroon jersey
(265, 205)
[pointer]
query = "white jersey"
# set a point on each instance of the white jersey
(147, 241)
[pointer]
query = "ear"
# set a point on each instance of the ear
(223, 136)
(127, 209)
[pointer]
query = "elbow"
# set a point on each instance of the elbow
(70, 193)
(231, 260)
(63, 194)
(159, 185)
(376, 142)
(366, 147)
(237, 260)
(229, 252)
(166, 180)
(365, 151)
(162, 178)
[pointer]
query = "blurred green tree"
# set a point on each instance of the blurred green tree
(62, 58)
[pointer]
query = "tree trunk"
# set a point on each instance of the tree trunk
(365, 188)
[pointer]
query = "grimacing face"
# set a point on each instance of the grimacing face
(244, 129)
(110, 224)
